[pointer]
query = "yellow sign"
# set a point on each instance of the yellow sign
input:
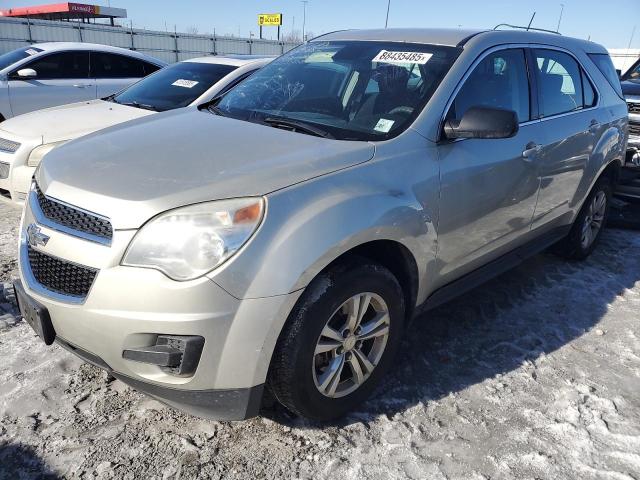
(270, 19)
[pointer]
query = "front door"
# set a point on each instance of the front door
(488, 186)
(61, 78)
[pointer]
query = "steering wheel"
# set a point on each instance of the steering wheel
(401, 110)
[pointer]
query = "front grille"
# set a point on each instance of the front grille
(634, 107)
(59, 275)
(8, 146)
(634, 129)
(73, 218)
(4, 170)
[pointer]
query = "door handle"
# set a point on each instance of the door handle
(80, 85)
(594, 126)
(531, 150)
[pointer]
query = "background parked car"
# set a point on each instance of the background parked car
(48, 74)
(25, 139)
(629, 185)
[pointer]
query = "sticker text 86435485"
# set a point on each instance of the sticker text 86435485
(386, 56)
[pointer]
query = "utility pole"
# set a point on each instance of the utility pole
(304, 18)
(386, 22)
(560, 19)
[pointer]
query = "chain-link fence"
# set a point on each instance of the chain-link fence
(167, 46)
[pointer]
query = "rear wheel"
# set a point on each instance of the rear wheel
(587, 228)
(338, 341)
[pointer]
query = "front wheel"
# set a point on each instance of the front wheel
(589, 223)
(339, 341)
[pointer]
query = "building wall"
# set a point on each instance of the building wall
(170, 47)
(623, 58)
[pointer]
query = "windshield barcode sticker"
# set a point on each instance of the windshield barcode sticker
(384, 125)
(185, 83)
(386, 56)
(31, 51)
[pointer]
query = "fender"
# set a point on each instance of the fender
(308, 226)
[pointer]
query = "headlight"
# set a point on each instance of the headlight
(188, 242)
(35, 157)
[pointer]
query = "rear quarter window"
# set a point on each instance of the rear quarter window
(605, 65)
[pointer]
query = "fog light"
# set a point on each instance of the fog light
(175, 354)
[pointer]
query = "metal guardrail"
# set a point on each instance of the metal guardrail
(168, 46)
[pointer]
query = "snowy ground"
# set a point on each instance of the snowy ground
(534, 375)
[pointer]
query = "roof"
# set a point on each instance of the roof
(57, 46)
(434, 36)
(234, 60)
(458, 37)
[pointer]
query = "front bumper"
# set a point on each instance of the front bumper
(129, 307)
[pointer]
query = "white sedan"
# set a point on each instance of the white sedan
(25, 139)
(49, 74)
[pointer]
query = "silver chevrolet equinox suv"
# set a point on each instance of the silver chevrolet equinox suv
(280, 237)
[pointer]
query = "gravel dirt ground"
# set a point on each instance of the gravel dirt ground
(533, 375)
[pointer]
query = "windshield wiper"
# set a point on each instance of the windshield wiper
(140, 105)
(216, 110)
(297, 126)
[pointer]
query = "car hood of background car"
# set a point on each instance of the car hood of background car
(631, 87)
(72, 120)
(132, 172)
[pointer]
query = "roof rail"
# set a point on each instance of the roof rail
(518, 27)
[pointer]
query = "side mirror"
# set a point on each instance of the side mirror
(619, 72)
(483, 122)
(26, 73)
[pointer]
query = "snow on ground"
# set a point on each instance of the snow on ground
(533, 375)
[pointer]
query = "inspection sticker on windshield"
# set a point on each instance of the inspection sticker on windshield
(31, 51)
(185, 83)
(383, 125)
(386, 56)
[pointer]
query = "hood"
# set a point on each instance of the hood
(71, 121)
(132, 172)
(631, 87)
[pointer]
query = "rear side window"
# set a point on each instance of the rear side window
(62, 65)
(560, 82)
(500, 81)
(109, 65)
(588, 92)
(605, 65)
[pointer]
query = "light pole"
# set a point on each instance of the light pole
(560, 19)
(304, 18)
(386, 22)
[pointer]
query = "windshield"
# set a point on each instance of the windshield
(174, 86)
(633, 73)
(350, 90)
(10, 58)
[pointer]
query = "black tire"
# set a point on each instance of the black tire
(572, 246)
(291, 376)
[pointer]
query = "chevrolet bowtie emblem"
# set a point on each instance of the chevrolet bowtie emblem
(35, 237)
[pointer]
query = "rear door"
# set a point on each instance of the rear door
(571, 126)
(61, 78)
(113, 72)
(489, 186)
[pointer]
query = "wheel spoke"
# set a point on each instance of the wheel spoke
(377, 327)
(326, 346)
(356, 369)
(366, 366)
(330, 378)
(330, 333)
(358, 306)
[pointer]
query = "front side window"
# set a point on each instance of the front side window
(110, 65)
(174, 86)
(346, 89)
(560, 82)
(63, 65)
(498, 81)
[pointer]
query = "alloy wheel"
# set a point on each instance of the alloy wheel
(594, 219)
(350, 345)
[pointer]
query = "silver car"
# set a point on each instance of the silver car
(283, 236)
(55, 73)
(25, 139)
